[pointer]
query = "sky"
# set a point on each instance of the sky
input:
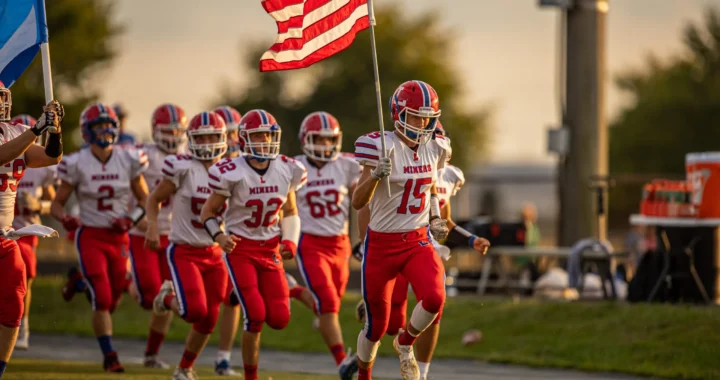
(506, 51)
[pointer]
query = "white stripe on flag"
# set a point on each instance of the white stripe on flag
(311, 18)
(320, 41)
(24, 37)
(288, 12)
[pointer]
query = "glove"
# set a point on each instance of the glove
(53, 114)
(122, 225)
(383, 168)
(358, 251)
(439, 229)
(70, 223)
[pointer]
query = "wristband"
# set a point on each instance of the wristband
(212, 227)
(136, 214)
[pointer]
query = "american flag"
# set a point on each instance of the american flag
(312, 30)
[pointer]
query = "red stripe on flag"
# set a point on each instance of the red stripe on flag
(323, 35)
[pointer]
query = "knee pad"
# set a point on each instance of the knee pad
(205, 327)
(278, 322)
(434, 302)
(253, 326)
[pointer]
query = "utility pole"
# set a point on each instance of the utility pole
(586, 160)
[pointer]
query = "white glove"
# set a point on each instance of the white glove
(51, 118)
(383, 168)
(438, 228)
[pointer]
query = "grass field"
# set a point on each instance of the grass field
(57, 370)
(655, 340)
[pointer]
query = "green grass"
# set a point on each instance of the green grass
(655, 340)
(59, 370)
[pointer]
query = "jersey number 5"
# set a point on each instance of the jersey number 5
(257, 219)
(196, 205)
(18, 170)
(318, 206)
(414, 187)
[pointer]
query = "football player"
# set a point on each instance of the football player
(104, 177)
(230, 316)
(149, 267)
(398, 240)
(34, 194)
(324, 249)
(450, 180)
(258, 185)
(124, 136)
(17, 153)
(199, 277)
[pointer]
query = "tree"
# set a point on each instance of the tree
(674, 110)
(344, 85)
(82, 44)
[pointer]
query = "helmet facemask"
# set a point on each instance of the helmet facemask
(5, 103)
(170, 137)
(104, 137)
(207, 151)
(322, 152)
(416, 134)
(262, 150)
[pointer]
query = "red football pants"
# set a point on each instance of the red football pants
(258, 276)
(323, 263)
(200, 280)
(398, 306)
(387, 255)
(149, 268)
(13, 283)
(28, 245)
(102, 254)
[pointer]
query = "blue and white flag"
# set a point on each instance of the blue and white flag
(23, 27)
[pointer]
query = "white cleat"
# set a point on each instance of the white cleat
(22, 342)
(316, 324)
(223, 368)
(159, 307)
(184, 374)
(152, 361)
(349, 366)
(409, 369)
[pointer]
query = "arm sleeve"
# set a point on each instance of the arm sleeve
(367, 150)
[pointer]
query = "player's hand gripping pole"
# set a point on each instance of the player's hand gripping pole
(371, 14)
(47, 71)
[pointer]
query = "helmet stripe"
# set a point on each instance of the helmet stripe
(324, 119)
(205, 118)
(173, 114)
(425, 92)
(263, 117)
(102, 108)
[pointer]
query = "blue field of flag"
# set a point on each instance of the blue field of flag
(23, 27)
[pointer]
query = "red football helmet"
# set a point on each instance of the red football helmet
(5, 102)
(94, 114)
(169, 125)
(320, 124)
(203, 124)
(419, 99)
(232, 123)
(24, 119)
(259, 122)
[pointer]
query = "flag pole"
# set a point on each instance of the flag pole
(383, 154)
(45, 55)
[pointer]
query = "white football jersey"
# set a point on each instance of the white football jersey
(103, 189)
(153, 176)
(413, 173)
(255, 200)
(323, 203)
(450, 180)
(191, 182)
(32, 184)
(10, 175)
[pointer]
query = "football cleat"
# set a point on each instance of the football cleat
(152, 361)
(159, 307)
(71, 285)
(112, 364)
(184, 374)
(360, 311)
(409, 369)
(222, 368)
(349, 366)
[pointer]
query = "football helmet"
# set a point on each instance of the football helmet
(24, 119)
(94, 114)
(415, 98)
(320, 124)
(169, 125)
(120, 110)
(203, 124)
(5, 102)
(260, 122)
(232, 117)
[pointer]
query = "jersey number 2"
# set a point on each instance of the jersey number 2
(108, 193)
(414, 187)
